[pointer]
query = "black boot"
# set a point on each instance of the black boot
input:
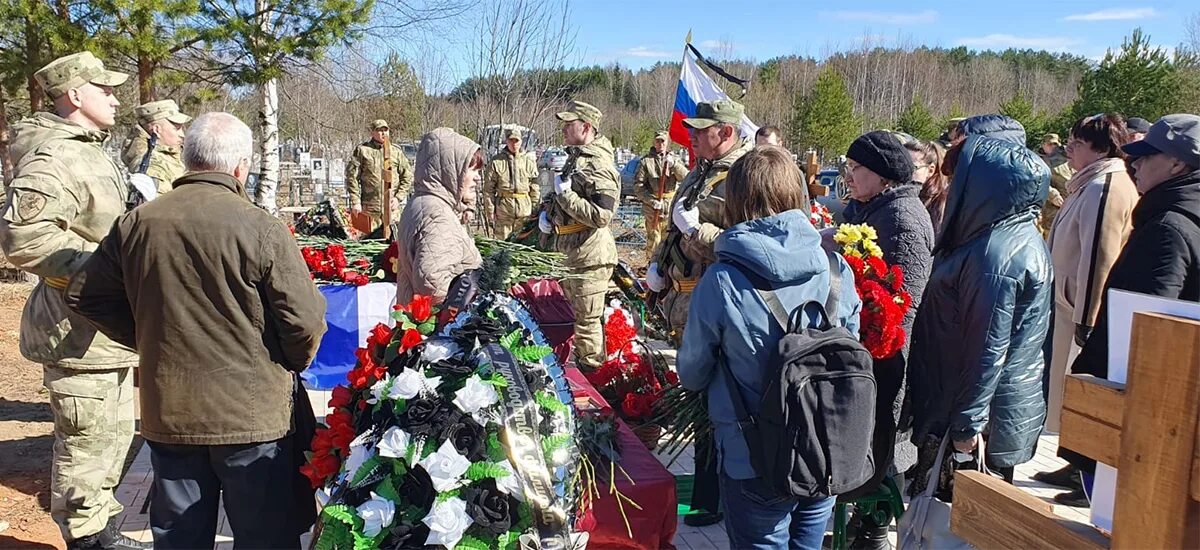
(112, 539)
(873, 537)
(702, 518)
(1066, 477)
(1075, 498)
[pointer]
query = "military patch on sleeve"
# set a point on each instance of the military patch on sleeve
(30, 205)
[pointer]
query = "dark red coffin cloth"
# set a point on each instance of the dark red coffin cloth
(653, 489)
(545, 301)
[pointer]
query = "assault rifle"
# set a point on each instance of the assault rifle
(135, 198)
(387, 188)
(654, 319)
(672, 255)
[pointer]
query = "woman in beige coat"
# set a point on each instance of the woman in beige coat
(434, 243)
(1088, 234)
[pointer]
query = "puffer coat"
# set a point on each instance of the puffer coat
(976, 358)
(995, 126)
(906, 238)
(434, 244)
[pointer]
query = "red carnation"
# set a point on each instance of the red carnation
(878, 267)
(856, 265)
(341, 397)
(420, 308)
(380, 336)
(337, 255)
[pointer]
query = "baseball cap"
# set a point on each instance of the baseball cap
(1138, 124)
(715, 112)
(579, 110)
(379, 124)
(75, 70)
(663, 135)
(1174, 135)
(1052, 138)
(158, 110)
(510, 133)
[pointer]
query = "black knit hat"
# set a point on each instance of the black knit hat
(881, 152)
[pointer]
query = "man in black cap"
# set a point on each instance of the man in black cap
(1162, 255)
(1138, 127)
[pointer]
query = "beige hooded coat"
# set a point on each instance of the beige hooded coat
(434, 244)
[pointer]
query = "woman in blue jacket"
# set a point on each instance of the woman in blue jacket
(976, 361)
(769, 234)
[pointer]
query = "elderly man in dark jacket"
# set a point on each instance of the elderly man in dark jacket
(213, 294)
(1162, 255)
(976, 356)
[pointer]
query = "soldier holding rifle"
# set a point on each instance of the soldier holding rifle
(510, 187)
(369, 166)
(156, 142)
(658, 174)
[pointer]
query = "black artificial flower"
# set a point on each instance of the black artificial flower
(417, 489)
(492, 509)
(469, 438)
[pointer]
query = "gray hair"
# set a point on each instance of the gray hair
(217, 142)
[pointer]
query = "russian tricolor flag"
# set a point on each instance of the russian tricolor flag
(350, 314)
(695, 86)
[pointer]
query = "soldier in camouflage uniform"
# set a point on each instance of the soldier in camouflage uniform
(688, 250)
(584, 202)
(364, 176)
(64, 196)
(510, 187)
(1052, 153)
(163, 119)
(658, 174)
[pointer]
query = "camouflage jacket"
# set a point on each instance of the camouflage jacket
(511, 175)
(364, 175)
(650, 169)
(698, 249)
(582, 214)
(166, 165)
(64, 196)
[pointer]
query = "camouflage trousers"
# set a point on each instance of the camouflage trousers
(656, 226)
(93, 429)
(676, 305)
(586, 295)
(511, 212)
(375, 212)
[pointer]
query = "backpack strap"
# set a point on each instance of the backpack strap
(776, 308)
(835, 289)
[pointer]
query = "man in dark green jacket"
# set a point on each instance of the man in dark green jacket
(213, 294)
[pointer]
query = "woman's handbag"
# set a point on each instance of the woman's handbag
(926, 523)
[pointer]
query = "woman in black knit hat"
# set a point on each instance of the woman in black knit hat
(883, 196)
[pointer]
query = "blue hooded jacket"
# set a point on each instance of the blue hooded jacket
(729, 323)
(995, 126)
(976, 357)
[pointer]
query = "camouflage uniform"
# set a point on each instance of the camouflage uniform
(166, 164)
(646, 186)
(698, 249)
(1060, 173)
(581, 216)
(65, 195)
(364, 178)
(510, 188)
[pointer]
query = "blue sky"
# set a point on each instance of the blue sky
(638, 34)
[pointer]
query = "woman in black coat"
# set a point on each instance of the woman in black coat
(883, 196)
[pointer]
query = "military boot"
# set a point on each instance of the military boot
(108, 539)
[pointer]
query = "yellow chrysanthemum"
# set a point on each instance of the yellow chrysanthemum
(873, 249)
(869, 234)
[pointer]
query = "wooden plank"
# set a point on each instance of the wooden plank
(1096, 398)
(1196, 467)
(1162, 403)
(1090, 437)
(991, 514)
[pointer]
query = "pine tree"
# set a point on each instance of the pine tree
(1139, 80)
(824, 119)
(917, 121)
(1018, 108)
(147, 34)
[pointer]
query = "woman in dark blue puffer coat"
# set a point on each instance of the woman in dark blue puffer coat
(976, 360)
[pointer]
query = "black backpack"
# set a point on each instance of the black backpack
(812, 436)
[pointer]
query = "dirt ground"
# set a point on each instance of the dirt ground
(25, 437)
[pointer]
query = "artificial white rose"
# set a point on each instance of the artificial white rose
(395, 443)
(379, 389)
(411, 382)
(447, 522)
(376, 514)
(445, 467)
(439, 350)
(360, 453)
(475, 395)
(510, 484)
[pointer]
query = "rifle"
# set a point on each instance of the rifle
(672, 245)
(387, 187)
(662, 188)
(654, 319)
(135, 198)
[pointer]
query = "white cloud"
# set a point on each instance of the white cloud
(999, 41)
(716, 44)
(883, 17)
(1113, 14)
(646, 51)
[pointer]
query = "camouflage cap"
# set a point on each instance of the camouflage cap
(725, 111)
(663, 135)
(1051, 138)
(510, 133)
(158, 110)
(72, 71)
(379, 124)
(581, 111)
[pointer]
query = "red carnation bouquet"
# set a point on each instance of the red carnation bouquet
(633, 377)
(328, 263)
(881, 288)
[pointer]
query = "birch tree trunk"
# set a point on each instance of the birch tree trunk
(268, 127)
